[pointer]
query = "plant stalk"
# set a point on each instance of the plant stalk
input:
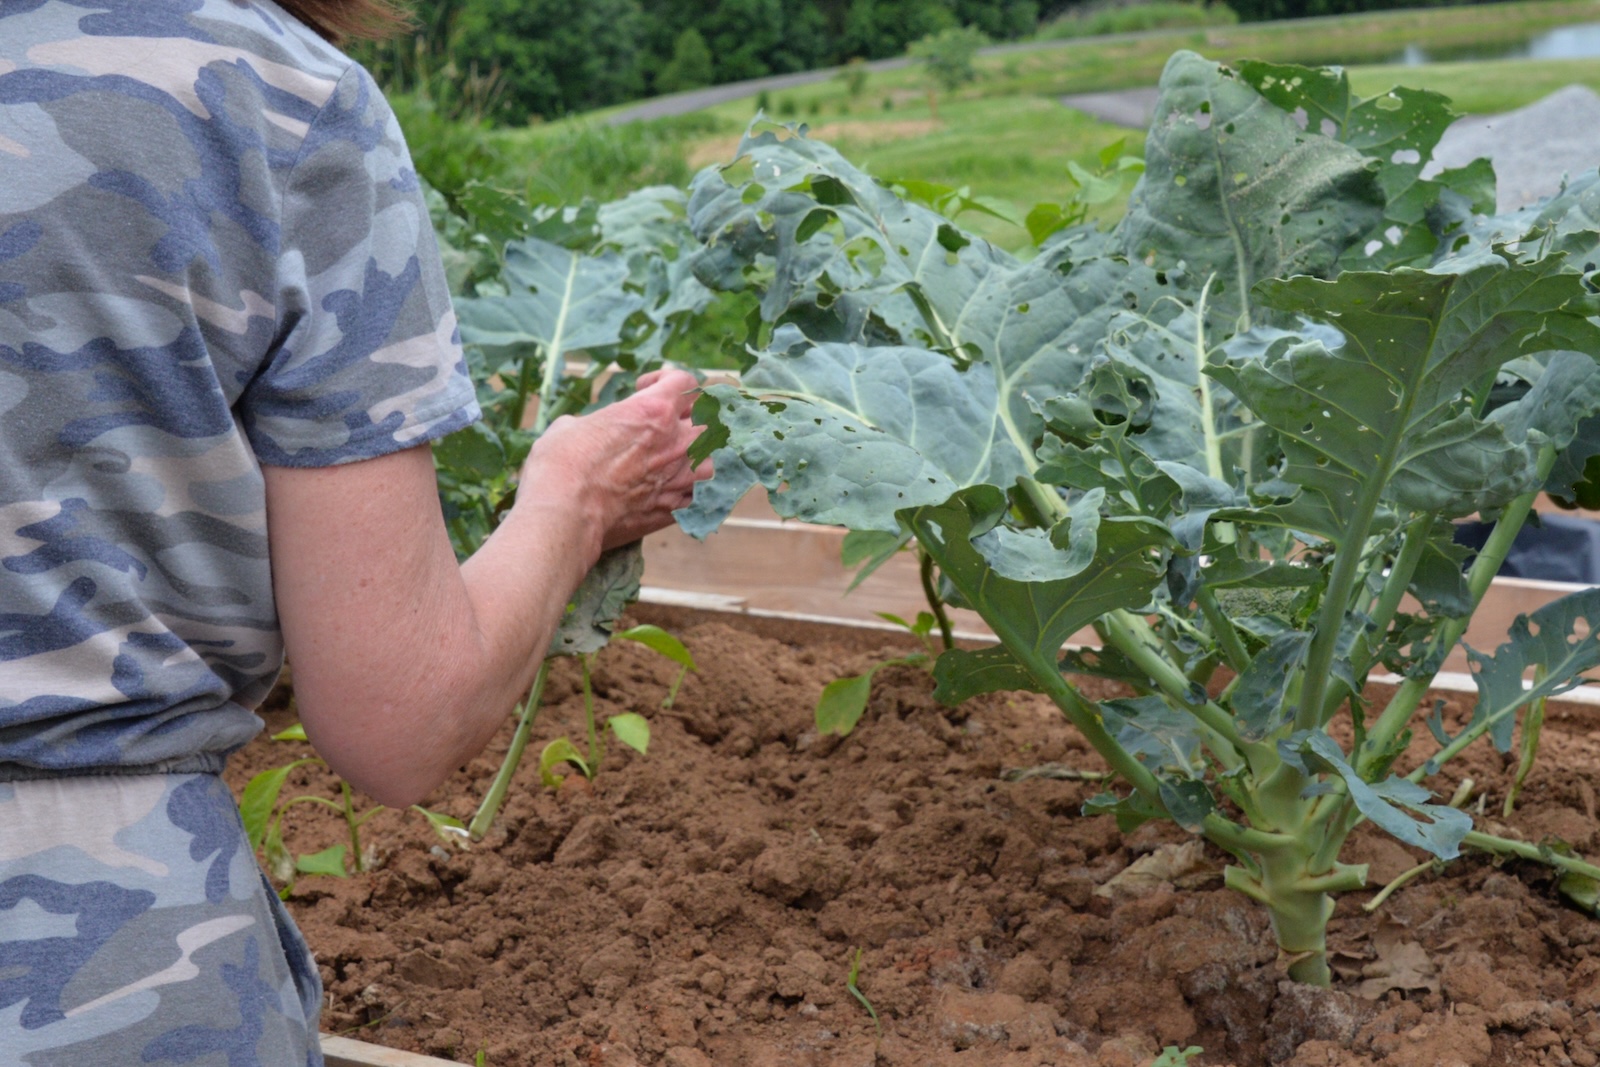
(496, 796)
(588, 715)
(1398, 712)
(1336, 601)
(1415, 543)
(1532, 727)
(353, 824)
(935, 602)
(1127, 631)
(1222, 628)
(1504, 846)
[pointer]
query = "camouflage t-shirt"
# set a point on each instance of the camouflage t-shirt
(214, 254)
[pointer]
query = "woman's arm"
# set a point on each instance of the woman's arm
(405, 663)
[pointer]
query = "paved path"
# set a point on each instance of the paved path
(1125, 107)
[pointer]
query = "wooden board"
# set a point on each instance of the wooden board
(346, 1052)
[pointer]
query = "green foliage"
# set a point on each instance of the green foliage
(1096, 21)
(1173, 1056)
(855, 77)
(630, 728)
(514, 61)
(947, 56)
(585, 161)
(554, 56)
(1266, 386)
(690, 67)
(539, 286)
(261, 810)
(1092, 188)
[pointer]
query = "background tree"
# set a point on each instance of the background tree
(555, 56)
(690, 67)
(947, 58)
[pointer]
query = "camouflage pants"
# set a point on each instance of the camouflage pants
(135, 928)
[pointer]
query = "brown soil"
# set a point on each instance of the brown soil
(702, 905)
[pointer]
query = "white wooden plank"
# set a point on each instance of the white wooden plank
(347, 1052)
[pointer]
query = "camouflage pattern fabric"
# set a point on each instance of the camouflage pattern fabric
(152, 939)
(214, 253)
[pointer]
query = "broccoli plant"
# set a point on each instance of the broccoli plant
(538, 285)
(1228, 435)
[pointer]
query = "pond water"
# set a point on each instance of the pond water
(1565, 42)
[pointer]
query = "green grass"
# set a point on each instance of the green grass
(1137, 18)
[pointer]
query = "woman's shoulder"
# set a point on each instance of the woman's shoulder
(199, 54)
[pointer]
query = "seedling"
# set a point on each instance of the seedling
(631, 728)
(262, 814)
(604, 279)
(1226, 438)
(844, 700)
(1173, 1056)
(855, 991)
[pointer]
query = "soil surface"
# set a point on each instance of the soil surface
(702, 905)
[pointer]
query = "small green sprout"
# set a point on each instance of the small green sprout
(855, 991)
(262, 815)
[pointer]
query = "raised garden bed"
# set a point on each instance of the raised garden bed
(703, 904)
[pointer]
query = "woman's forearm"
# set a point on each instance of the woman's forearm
(405, 663)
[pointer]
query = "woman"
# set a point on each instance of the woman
(225, 343)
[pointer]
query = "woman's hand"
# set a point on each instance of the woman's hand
(625, 466)
(405, 663)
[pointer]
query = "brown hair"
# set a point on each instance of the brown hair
(341, 21)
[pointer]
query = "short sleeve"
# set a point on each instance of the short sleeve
(367, 358)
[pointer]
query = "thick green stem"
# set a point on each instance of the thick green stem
(1397, 713)
(935, 601)
(1045, 500)
(1299, 902)
(524, 386)
(1208, 415)
(484, 818)
(554, 365)
(1086, 717)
